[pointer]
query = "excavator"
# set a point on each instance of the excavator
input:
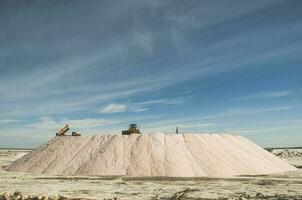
(62, 131)
(133, 129)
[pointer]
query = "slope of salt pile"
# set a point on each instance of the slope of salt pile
(181, 155)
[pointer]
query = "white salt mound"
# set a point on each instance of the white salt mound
(181, 155)
(288, 154)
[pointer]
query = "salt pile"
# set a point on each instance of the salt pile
(294, 157)
(181, 155)
(288, 154)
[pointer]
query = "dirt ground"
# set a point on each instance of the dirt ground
(277, 186)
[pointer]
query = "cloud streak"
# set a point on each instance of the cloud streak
(113, 108)
(270, 94)
(141, 106)
(8, 121)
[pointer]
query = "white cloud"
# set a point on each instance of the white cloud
(239, 111)
(114, 108)
(143, 106)
(140, 106)
(269, 94)
(8, 121)
(138, 109)
(160, 101)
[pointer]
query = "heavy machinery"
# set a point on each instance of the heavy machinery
(75, 134)
(133, 129)
(62, 131)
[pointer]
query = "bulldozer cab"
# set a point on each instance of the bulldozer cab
(132, 126)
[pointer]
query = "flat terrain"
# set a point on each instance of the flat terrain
(278, 186)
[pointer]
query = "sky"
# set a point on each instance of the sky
(205, 66)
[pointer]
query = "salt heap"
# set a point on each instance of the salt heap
(177, 155)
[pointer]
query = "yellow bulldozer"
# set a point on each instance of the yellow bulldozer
(133, 129)
(63, 131)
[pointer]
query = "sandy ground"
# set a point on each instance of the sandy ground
(286, 185)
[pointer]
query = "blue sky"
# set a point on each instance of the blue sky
(204, 66)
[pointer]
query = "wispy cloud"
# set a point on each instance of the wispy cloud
(246, 111)
(140, 106)
(270, 94)
(8, 121)
(114, 108)
(143, 106)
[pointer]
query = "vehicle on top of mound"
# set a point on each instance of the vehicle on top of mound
(133, 129)
(63, 131)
